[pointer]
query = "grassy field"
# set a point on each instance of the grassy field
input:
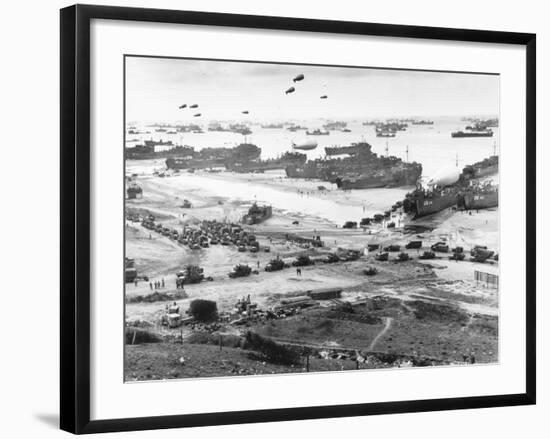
(158, 361)
(384, 327)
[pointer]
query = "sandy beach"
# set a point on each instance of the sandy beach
(299, 208)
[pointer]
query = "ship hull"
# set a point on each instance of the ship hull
(424, 206)
(298, 172)
(193, 164)
(465, 134)
(257, 167)
(473, 201)
(485, 172)
(389, 178)
(371, 183)
(256, 218)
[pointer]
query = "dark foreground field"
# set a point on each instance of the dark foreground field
(381, 332)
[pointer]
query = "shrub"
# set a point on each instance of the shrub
(136, 335)
(272, 351)
(193, 274)
(347, 307)
(203, 310)
(228, 340)
(439, 313)
(302, 261)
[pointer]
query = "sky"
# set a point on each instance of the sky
(156, 87)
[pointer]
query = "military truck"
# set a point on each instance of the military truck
(191, 274)
(240, 270)
(275, 265)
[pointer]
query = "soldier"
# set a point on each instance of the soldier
(162, 282)
(151, 285)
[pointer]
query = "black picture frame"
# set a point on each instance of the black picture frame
(75, 217)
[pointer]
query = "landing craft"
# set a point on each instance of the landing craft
(196, 115)
(324, 97)
(306, 145)
(245, 112)
(290, 90)
(183, 106)
(194, 106)
(444, 177)
(298, 78)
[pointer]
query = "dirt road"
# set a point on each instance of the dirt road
(389, 321)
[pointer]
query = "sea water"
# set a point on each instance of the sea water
(430, 145)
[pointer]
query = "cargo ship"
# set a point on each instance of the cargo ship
(317, 132)
(481, 124)
(295, 128)
(256, 214)
(422, 122)
(467, 133)
(240, 129)
(392, 126)
(338, 125)
(189, 128)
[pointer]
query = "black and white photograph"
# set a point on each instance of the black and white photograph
(296, 218)
(270, 220)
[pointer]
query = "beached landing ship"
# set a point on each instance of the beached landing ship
(398, 174)
(215, 157)
(478, 197)
(464, 191)
(422, 202)
(287, 159)
(256, 214)
(362, 169)
(352, 149)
